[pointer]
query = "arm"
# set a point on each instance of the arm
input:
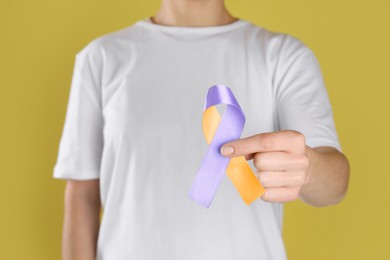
(289, 169)
(81, 220)
(328, 176)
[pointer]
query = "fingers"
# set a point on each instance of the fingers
(287, 141)
(281, 194)
(281, 174)
(279, 161)
(276, 179)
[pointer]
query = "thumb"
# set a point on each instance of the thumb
(228, 150)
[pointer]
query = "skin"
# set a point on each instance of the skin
(289, 169)
(81, 220)
(193, 13)
(286, 166)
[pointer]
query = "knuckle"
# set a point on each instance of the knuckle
(267, 196)
(299, 138)
(264, 196)
(303, 162)
(263, 178)
(267, 141)
(259, 161)
(257, 174)
(294, 133)
(296, 137)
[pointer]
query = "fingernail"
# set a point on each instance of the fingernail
(227, 150)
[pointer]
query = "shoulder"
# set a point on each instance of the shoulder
(277, 45)
(109, 43)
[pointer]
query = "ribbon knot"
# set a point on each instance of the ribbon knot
(218, 131)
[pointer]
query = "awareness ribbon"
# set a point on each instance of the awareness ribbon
(218, 131)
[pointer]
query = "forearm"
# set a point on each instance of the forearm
(81, 220)
(328, 176)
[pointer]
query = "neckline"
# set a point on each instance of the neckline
(147, 23)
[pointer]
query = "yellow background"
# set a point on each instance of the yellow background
(351, 39)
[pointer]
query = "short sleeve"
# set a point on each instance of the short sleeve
(302, 101)
(81, 143)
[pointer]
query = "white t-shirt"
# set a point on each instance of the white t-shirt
(134, 120)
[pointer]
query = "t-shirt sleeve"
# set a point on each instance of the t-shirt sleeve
(302, 101)
(81, 143)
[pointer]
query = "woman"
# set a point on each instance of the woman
(132, 139)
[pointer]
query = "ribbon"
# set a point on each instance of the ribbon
(217, 132)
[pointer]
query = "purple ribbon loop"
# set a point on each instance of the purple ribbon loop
(214, 164)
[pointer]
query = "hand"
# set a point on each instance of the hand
(280, 159)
